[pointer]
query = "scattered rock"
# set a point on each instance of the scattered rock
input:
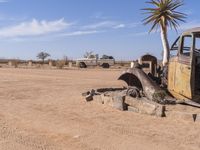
(118, 103)
(133, 109)
(107, 100)
(98, 99)
(86, 93)
(119, 99)
(89, 97)
(144, 106)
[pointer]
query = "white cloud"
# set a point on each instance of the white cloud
(103, 24)
(119, 26)
(133, 25)
(191, 24)
(110, 25)
(53, 36)
(145, 33)
(33, 28)
(79, 33)
(58, 28)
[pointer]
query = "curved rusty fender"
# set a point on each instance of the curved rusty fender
(137, 77)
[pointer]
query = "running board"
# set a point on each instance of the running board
(188, 102)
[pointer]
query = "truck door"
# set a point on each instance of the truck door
(172, 65)
(92, 61)
(182, 81)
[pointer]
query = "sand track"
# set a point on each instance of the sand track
(44, 110)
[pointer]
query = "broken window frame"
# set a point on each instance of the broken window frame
(185, 50)
(174, 48)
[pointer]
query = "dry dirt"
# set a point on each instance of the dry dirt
(44, 110)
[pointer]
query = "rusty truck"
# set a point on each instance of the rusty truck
(155, 90)
(182, 74)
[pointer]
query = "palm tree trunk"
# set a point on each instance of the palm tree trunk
(165, 44)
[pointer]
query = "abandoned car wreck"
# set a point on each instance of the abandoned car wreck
(152, 91)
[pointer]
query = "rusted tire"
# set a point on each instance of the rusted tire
(133, 92)
(82, 65)
(105, 65)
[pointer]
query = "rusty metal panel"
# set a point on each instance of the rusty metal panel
(179, 79)
(172, 74)
(182, 84)
(138, 78)
(149, 64)
(147, 67)
(183, 80)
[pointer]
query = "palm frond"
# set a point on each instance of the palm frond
(164, 12)
(154, 2)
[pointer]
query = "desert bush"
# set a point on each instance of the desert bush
(52, 63)
(60, 64)
(15, 63)
(38, 66)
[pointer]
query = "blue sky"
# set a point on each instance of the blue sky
(72, 27)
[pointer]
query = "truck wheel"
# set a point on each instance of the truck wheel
(105, 65)
(82, 65)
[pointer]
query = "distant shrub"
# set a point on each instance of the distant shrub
(38, 66)
(60, 64)
(52, 63)
(15, 63)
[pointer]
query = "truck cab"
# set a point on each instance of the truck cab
(184, 66)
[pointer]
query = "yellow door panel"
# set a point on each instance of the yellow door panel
(179, 79)
(182, 82)
(171, 74)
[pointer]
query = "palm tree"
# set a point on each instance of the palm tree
(164, 15)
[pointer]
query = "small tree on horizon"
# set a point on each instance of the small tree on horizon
(88, 53)
(164, 15)
(43, 56)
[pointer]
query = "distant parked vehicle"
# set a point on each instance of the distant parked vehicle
(93, 60)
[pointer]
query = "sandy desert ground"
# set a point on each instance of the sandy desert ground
(44, 110)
